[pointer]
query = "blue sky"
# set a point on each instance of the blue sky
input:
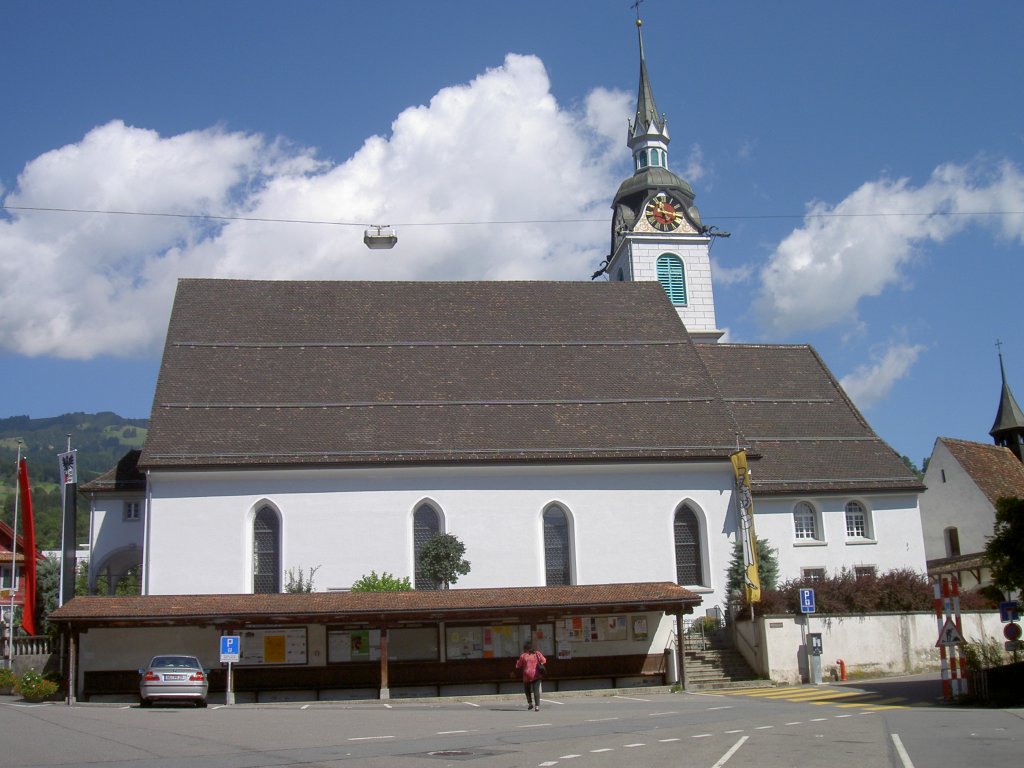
(868, 159)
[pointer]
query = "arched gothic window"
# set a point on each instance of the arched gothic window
(672, 278)
(426, 525)
(689, 569)
(557, 555)
(266, 552)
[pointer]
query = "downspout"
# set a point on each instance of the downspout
(145, 535)
(680, 651)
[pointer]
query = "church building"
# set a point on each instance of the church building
(575, 436)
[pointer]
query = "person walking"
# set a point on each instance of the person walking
(531, 662)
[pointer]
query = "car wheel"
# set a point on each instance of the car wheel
(201, 703)
(145, 703)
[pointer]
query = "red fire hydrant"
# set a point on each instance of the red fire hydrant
(842, 669)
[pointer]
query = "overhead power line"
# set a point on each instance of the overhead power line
(489, 222)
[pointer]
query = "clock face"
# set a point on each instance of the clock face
(664, 212)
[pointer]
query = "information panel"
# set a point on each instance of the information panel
(273, 645)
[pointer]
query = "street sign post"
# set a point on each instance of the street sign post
(1009, 611)
(230, 652)
(806, 601)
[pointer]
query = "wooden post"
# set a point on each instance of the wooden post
(384, 692)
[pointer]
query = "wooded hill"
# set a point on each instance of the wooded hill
(101, 439)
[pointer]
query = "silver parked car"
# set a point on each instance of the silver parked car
(173, 677)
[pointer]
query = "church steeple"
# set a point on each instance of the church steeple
(648, 132)
(656, 231)
(1008, 429)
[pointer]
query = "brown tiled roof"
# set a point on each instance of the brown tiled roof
(994, 469)
(289, 373)
(376, 606)
(125, 476)
(806, 434)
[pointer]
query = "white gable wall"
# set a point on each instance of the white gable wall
(953, 500)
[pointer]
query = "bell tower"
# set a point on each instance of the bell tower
(657, 233)
(1008, 429)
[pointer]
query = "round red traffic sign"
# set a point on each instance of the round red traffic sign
(1012, 631)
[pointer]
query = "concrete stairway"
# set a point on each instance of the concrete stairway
(713, 668)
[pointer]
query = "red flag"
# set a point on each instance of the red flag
(28, 614)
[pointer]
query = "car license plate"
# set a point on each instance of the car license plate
(174, 677)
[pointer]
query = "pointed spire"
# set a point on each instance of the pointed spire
(646, 110)
(1008, 428)
(648, 133)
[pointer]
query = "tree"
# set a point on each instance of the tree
(441, 559)
(1006, 545)
(297, 582)
(383, 583)
(767, 562)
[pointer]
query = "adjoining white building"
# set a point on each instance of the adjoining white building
(571, 434)
(965, 480)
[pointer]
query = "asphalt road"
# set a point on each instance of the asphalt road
(899, 724)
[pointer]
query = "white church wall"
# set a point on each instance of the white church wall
(896, 540)
(349, 522)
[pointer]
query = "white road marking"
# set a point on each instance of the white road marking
(548, 763)
(448, 733)
(700, 735)
(737, 730)
(665, 741)
(569, 757)
(305, 706)
(795, 722)
(471, 704)
(817, 719)
(631, 698)
(534, 725)
(602, 719)
(839, 717)
(369, 738)
(603, 749)
(732, 751)
(902, 752)
(630, 746)
(659, 714)
(763, 727)
(712, 709)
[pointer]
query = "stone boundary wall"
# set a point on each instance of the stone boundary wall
(870, 644)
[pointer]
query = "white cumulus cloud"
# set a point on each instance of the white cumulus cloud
(497, 149)
(865, 245)
(871, 383)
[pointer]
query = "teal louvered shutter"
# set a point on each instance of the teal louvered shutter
(672, 279)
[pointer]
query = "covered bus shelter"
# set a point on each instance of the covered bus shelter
(326, 645)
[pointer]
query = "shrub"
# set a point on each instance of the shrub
(7, 680)
(34, 687)
(985, 654)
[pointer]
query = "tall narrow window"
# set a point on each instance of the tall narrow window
(426, 525)
(672, 279)
(266, 552)
(557, 560)
(952, 542)
(687, 534)
(805, 522)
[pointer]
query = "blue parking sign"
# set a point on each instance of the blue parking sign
(806, 601)
(230, 647)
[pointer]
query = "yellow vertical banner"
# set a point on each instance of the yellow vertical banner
(745, 507)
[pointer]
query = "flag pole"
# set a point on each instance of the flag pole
(14, 561)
